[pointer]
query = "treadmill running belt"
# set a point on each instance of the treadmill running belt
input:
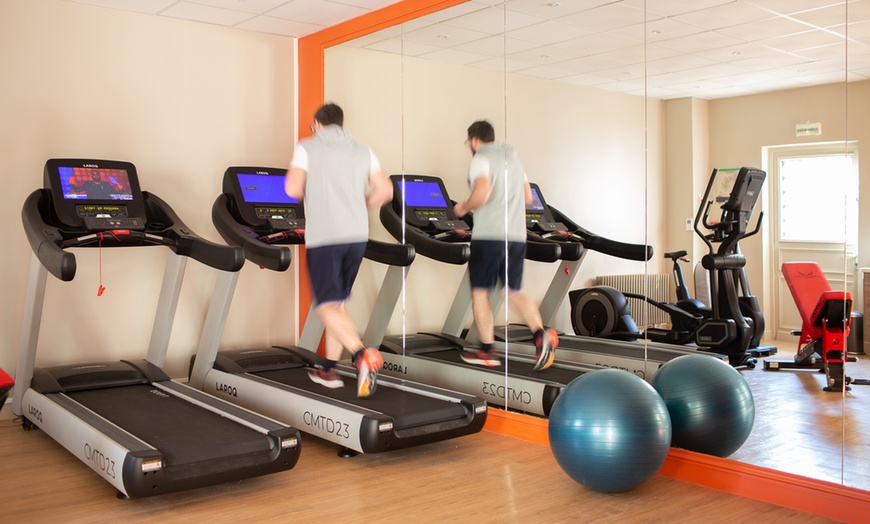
(522, 369)
(183, 432)
(407, 409)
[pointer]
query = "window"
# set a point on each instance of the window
(819, 198)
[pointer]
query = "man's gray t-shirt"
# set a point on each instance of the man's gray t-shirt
(338, 171)
(504, 214)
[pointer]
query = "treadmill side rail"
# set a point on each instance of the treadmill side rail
(111, 459)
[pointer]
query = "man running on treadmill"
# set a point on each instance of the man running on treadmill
(500, 191)
(339, 179)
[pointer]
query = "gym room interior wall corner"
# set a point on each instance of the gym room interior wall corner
(793, 491)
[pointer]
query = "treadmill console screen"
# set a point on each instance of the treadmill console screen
(538, 216)
(536, 205)
(426, 201)
(259, 196)
(422, 194)
(95, 194)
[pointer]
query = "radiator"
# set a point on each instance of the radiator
(656, 287)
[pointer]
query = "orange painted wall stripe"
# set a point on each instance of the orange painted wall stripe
(311, 73)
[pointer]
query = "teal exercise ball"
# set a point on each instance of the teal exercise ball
(712, 409)
(609, 430)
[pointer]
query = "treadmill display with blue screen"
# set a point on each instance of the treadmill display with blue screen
(263, 199)
(426, 205)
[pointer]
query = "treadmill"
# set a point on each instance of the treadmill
(422, 214)
(142, 432)
(641, 357)
(256, 214)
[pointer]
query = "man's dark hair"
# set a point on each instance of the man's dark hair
(481, 130)
(329, 114)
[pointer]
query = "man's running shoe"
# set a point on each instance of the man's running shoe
(546, 341)
(368, 364)
(482, 358)
(329, 378)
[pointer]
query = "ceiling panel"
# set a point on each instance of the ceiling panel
(698, 48)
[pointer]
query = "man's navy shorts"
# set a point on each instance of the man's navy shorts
(486, 266)
(333, 269)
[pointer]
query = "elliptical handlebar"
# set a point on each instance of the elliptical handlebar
(757, 226)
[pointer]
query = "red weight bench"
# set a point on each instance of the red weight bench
(826, 315)
(6, 384)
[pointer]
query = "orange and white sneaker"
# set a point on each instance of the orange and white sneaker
(480, 357)
(368, 363)
(546, 341)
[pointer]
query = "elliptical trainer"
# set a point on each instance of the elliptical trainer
(722, 329)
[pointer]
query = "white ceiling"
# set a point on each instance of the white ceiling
(661, 48)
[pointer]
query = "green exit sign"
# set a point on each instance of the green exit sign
(808, 129)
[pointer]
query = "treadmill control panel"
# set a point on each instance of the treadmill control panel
(538, 216)
(438, 220)
(100, 218)
(426, 204)
(261, 201)
(96, 195)
(280, 218)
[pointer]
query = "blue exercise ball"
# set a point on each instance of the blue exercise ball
(712, 409)
(609, 430)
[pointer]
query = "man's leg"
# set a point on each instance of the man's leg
(480, 308)
(545, 339)
(484, 322)
(341, 334)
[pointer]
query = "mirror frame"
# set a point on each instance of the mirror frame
(784, 489)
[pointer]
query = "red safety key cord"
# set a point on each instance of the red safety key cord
(100, 249)
(114, 234)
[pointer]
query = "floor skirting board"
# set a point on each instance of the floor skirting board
(818, 497)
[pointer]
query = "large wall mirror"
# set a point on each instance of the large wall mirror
(619, 111)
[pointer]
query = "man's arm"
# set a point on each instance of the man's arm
(294, 186)
(481, 188)
(527, 189)
(381, 190)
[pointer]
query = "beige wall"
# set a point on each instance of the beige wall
(584, 147)
(180, 100)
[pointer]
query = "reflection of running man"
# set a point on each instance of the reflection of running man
(97, 188)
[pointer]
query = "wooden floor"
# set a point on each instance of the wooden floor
(480, 478)
(483, 478)
(801, 429)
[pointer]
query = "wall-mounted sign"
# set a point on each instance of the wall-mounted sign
(808, 129)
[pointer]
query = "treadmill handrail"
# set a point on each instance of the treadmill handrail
(542, 250)
(50, 240)
(189, 244)
(569, 250)
(271, 256)
(450, 253)
(46, 240)
(614, 248)
(390, 254)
